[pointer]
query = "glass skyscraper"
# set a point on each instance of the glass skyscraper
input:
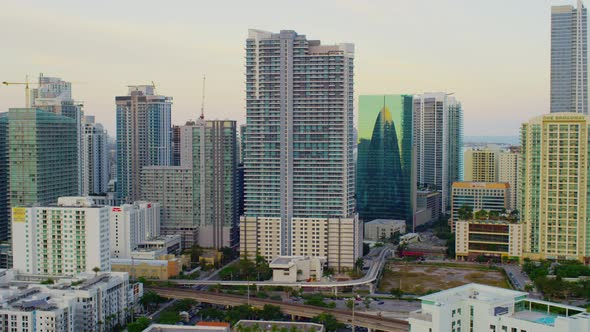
(4, 200)
(42, 157)
(569, 59)
(385, 178)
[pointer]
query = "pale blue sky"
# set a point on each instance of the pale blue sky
(494, 55)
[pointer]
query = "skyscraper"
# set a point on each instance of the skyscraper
(42, 157)
(554, 186)
(385, 177)
(199, 197)
(438, 135)
(298, 144)
(143, 137)
(95, 158)
(569, 59)
(4, 179)
(54, 95)
(481, 165)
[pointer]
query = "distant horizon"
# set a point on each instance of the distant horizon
(499, 72)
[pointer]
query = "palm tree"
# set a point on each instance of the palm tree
(96, 269)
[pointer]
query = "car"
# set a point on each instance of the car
(381, 302)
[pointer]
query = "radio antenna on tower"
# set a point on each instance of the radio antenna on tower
(203, 100)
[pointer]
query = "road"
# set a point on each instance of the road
(344, 316)
(371, 275)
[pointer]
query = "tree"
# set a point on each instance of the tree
(481, 215)
(270, 312)
(349, 304)
(96, 269)
(465, 212)
(366, 249)
(169, 317)
(151, 300)
(396, 292)
(367, 302)
(494, 215)
(328, 320)
(358, 265)
(481, 259)
(141, 324)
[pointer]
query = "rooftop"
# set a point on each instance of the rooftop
(475, 292)
(386, 222)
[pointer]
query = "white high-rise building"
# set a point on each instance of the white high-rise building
(298, 144)
(131, 224)
(61, 240)
(475, 307)
(438, 136)
(569, 59)
(508, 171)
(95, 158)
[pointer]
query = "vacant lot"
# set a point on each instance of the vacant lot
(421, 278)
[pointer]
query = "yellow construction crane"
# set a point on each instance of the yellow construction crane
(27, 90)
(26, 83)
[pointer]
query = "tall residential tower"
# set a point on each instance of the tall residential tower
(95, 158)
(298, 149)
(569, 59)
(554, 186)
(438, 135)
(143, 137)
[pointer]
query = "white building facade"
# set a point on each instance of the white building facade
(132, 224)
(95, 158)
(475, 307)
(66, 239)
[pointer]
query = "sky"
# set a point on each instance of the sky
(494, 54)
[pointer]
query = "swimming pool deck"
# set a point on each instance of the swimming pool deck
(536, 317)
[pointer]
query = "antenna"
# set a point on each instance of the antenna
(203, 101)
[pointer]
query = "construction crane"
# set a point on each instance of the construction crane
(203, 101)
(27, 90)
(26, 83)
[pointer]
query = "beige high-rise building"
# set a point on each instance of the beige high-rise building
(508, 169)
(554, 204)
(481, 165)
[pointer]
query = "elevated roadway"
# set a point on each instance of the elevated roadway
(371, 322)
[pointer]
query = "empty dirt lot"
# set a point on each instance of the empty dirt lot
(421, 278)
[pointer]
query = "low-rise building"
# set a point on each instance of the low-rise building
(496, 239)
(383, 229)
(268, 326)
(201, 327)
(475, 307)
(161, 268)
(339, 240)
(427, 207)
(86, 302)
(490, 196)
(297, 268)
(170, 243)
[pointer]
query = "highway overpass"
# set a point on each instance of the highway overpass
(371, 322)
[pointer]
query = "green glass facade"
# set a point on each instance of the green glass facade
(385, 179)
(4, 210)
(43, 156)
